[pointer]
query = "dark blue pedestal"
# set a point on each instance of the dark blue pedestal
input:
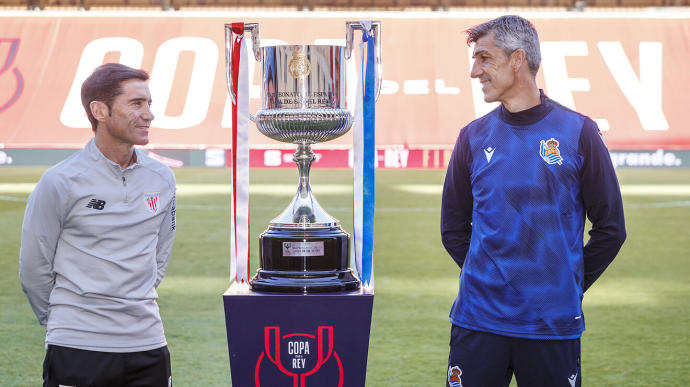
(298, 340)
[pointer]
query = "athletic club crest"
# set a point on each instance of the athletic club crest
(152, 200)
(454, 373)
(548, 150)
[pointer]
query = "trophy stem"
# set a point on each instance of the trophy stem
(303, 158)
(304, 212)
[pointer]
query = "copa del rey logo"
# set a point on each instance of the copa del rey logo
(300, 357)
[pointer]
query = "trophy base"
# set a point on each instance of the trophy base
(304, 282)
(309, 260)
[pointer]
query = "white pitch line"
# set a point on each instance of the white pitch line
(12, 199)
(329, 189)
(198, 207)
(261, 189)
(626, 189)
(656, 189)
(20, 188)
(424, 189)
(213, 189)
(658, 205)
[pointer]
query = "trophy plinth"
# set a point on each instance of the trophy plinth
(287, 263)
(304, 249)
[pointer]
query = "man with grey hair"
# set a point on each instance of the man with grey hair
(520, 182)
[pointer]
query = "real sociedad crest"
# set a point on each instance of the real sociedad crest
(152, 200)
(548, 150)
(454, 373)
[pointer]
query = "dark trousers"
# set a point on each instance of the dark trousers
(65, 366)
(479, 359)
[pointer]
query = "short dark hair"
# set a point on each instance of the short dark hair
(511, 32)
(104, 84)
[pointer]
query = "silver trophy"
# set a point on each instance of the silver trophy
(303, 99)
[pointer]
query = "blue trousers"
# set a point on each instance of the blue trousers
(480, 359)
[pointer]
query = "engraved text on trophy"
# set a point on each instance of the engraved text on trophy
(297, 98)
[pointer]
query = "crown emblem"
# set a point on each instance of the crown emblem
(548, 150)
(299, 65)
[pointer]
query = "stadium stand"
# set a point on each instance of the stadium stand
(435, 5)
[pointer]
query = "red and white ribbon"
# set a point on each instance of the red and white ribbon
(239, 219)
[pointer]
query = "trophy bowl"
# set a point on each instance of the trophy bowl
(304, 249)
(303, 94)
(287, 125)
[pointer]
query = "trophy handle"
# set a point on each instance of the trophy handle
(376, 32)
(253, 28)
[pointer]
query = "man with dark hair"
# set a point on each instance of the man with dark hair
(105, 84)
(520, 182)
(96, 241)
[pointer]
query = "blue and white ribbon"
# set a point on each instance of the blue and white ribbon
(364, 160)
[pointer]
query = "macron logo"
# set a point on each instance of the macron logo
(489, 152)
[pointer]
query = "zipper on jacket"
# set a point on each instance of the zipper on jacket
(124, 185)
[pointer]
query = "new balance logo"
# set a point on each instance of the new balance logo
(96, 204)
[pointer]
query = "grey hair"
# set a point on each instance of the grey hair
(511, 32)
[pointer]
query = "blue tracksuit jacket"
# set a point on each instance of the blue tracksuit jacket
(517, 191)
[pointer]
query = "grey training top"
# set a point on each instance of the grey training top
(96, 241)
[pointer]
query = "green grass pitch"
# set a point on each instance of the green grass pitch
(638, 313)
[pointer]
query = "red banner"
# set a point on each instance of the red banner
(395, 158)
(625, 70)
